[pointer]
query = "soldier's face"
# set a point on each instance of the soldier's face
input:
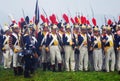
(84, 31)
(17, 30)
(104, 31)
(54, 30)
(90, 30)
(109, 32)
(68, 30)
(62, 29)
(96, 33)
(76, 30)
(45, 29)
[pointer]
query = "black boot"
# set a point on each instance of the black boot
(59, 67)
(44, 66)
(48, 65)
(53, 68)
(20, 70)
(15, 71)
(32, 70)
(26, 74)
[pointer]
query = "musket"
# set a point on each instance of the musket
(92, 11)
(69, 13)
(71, 26)
(23, 13)
(114, 20)
(105, 20)
(45, 13)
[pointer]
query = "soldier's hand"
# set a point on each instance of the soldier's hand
(3, 49)
(16, 50)
(85, 43)
(91, 48)
(47, 49)
(104, 41)
(71, 43)
(40, 48)
(118, 48)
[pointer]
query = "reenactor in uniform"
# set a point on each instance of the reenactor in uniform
(61, 31)
(90, 52)
(69, 44)
(96, 46)
(102, 35)
(108, 41)
(76, 31)
(42, 35)
(34, 43)
(6, 48)
(52, 43)
(15, 45)
(29, 52)
(82, 45)
(117, 43)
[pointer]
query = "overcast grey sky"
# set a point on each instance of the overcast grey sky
(110, 8)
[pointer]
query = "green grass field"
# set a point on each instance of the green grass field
(7, 75)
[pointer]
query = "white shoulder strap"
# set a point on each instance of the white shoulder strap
(44, 38)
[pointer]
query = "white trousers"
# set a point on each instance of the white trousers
(7, 59)
(97, 58)
(110, 55)
(45, 56)
(69, 56)
(15, 60)
(83, 59)
(55, 53)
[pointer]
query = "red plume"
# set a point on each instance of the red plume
(109, 22)
(43, 18)
(72, 20)
(31, 21)
(65, 17)
(13, 21)
(47, 20)
(22, 20)
(119, 18)
(94, 21)
(76, 20)
(87, 22)
(51, 19)
(82, 20)
(54, 19)
(19, 24)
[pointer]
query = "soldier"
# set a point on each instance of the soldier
(69, 43)
(53, 44)
(61, 31)
(29, 52)
(82, 45)
(42, 35)
(102, 35)
(117, 43)
(14, 43)
(109, 50)
(90, 52)
(34, 43)
(97, 49)
(6, 48)
(76, 33)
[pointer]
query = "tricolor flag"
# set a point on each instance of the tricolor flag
(36, 13)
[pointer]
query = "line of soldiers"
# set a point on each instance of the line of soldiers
(63, 47)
